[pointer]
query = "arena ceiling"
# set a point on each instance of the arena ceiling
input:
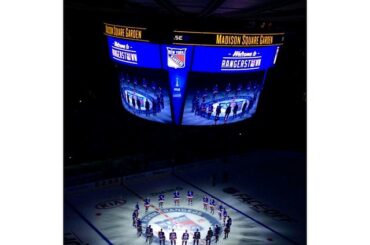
(275, 10)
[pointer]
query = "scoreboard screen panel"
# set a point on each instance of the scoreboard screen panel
(193, 78)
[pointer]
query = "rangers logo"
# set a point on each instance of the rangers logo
(176, 57)
(179, 219)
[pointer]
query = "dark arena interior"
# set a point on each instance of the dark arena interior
(185, 117)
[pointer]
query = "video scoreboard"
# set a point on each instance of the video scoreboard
(239, 60)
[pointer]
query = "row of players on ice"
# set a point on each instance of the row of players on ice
(207, 202)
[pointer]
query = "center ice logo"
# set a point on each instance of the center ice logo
(179, 219)
(182, 222)
(176, 57)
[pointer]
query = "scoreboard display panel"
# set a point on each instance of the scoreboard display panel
(192, 78)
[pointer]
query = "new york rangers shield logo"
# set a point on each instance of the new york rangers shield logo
(176, 57)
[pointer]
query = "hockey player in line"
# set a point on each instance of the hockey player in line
(209, 236)
(212, 204)
(185, 238)
(226, 231)
(220, 209)
(196, 237)
(135, 216)
(137, 206)
(190, 197)
(217, 232)
(162, 237)
(176, 198)
(173, 237)
(149, 234)
(161, 200)
(146, 204)
(224, 213)
(229, 221)
(205, 203)
(139, 227)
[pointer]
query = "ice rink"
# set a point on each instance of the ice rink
(265, 199)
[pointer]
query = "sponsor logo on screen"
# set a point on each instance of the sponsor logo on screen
(110, 204)
(240, 60)
(124, 53)
(176, 57)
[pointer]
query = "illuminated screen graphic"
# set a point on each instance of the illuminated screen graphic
(144, 93)
(189, 84)
(214, 99)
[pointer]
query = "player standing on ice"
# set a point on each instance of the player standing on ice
(135, 216)
(162, 237)
(185, 238)
(161, 200)
(212, 204)
(149, 234)
(139, 227)
(209, 236)
(205, 203)
(196, 237)
(176, 198)
(137, 206)
(227, 231)
(190, 197)
(220, 209)
(173, 237)
(224, 213)
(217, 232)
(229, 221)
(146, 204)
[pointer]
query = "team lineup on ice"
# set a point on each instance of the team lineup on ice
(182, 221)
(164, 207)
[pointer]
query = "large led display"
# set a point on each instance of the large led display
(188, 83)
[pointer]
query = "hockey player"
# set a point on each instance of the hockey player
(212, 204)
(224, 213)
(173, 237)
(147, 106)
(228, 89)
(244, 107)
(220, 209)
(227, 113)
(137, 207)
(161, 200)
(218, 111)
(185, 238)
(146, 204)
(162, 237)
(196, 237)
(215, 92)
(176, 198)
(138, 103)
(139, 227)
(217, 232)
(149, 234)
(235, 110)
(135, 216)
(227, 231)
(190, 197)
(229, 221)
(205, 203)
(209, 236)
(209, 111)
